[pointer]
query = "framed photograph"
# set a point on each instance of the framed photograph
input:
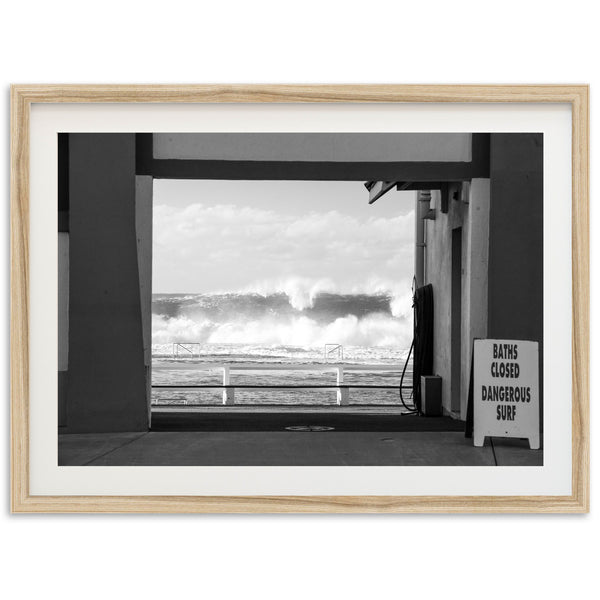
(350, 298)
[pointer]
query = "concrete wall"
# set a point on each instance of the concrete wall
(516, 263)
(106, 388)
(315, 147)
(472, 216)
(143, 234)
(516, 236)
(438, 272)
(63, 301)
(63, 324)
(475, 278)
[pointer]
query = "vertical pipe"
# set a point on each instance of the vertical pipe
(422, 203)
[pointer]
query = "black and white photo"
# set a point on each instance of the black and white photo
(296, 299)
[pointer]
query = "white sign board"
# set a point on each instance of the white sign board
(506, 390)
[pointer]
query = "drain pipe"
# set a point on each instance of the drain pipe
(422, 204)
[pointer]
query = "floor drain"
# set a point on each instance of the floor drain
(309, 428)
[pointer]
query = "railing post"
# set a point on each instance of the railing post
(228, 393)
(343, 394)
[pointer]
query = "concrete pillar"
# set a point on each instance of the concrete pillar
(63, 325)
(143, 233)
(475, 291)
(106, 388)
(516, 261)
(516, 236)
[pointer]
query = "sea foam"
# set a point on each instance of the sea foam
(282, 319)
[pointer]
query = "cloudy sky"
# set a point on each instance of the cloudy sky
(231, 236)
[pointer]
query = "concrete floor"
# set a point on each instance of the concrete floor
(279, 448)
(244, 419)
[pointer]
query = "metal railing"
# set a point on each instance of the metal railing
(342, 390)
(331, 348)
(186, 349)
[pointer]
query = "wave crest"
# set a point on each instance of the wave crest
(371, 330)
(301, 291)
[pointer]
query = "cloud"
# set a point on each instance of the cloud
(228, 247)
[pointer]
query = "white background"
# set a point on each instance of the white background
(297, 556)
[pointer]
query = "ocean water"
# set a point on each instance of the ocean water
(194, 334)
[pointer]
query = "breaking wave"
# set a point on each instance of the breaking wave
(300, 315)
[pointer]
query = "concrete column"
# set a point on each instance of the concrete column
(516, 236)
(106, 384)
(143, 229)
(516, 262)
(63, 325)
(475, 291)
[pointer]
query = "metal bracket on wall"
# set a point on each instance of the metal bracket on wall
(448, 190)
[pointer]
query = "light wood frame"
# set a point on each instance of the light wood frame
(22, 96)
